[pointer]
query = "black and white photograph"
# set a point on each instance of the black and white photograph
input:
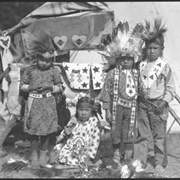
(89, 89)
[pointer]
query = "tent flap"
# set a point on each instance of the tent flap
(80, 32)
(77, 26)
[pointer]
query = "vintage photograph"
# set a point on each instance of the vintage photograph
(89, 89)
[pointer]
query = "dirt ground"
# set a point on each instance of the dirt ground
(23, 152)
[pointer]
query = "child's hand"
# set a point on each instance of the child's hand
(160, 107)
(97, 109)
(58, 147)
(105, 125)
(45, 87)
(32, 88)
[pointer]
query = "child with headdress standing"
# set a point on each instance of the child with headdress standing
(156, 91)
(41, 80)
(120, 89)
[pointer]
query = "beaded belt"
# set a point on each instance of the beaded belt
(40, 95)
(124, 102)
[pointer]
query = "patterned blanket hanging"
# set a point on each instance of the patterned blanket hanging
(98, 75)
(78, 75)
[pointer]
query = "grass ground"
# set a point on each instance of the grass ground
(172, 170)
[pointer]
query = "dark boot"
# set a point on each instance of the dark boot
(34, 154)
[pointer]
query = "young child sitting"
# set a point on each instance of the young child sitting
(79, 141)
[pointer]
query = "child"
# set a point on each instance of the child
(41, 80)
(79, 141)
(119, 91)
(156, 91)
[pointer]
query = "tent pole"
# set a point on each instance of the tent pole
(9, 31)
(91, 90)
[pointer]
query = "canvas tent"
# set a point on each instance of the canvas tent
(72, 26)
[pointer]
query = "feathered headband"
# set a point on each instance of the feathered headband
(156, 33)
(124, 42)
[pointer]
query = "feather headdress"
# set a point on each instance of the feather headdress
(124, 42)
(155, 33)
(40, 44)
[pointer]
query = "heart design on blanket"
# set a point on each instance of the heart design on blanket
(5, 41)
(60, 41)
(79, 40)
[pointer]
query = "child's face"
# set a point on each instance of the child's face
(154, 51)
(127, 62)
(44, 63)
(84, 113)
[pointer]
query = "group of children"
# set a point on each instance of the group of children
(135, 98)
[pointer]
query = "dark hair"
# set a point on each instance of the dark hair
(158, 40)
(84, 99)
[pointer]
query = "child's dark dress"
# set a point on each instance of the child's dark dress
(40, 116)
